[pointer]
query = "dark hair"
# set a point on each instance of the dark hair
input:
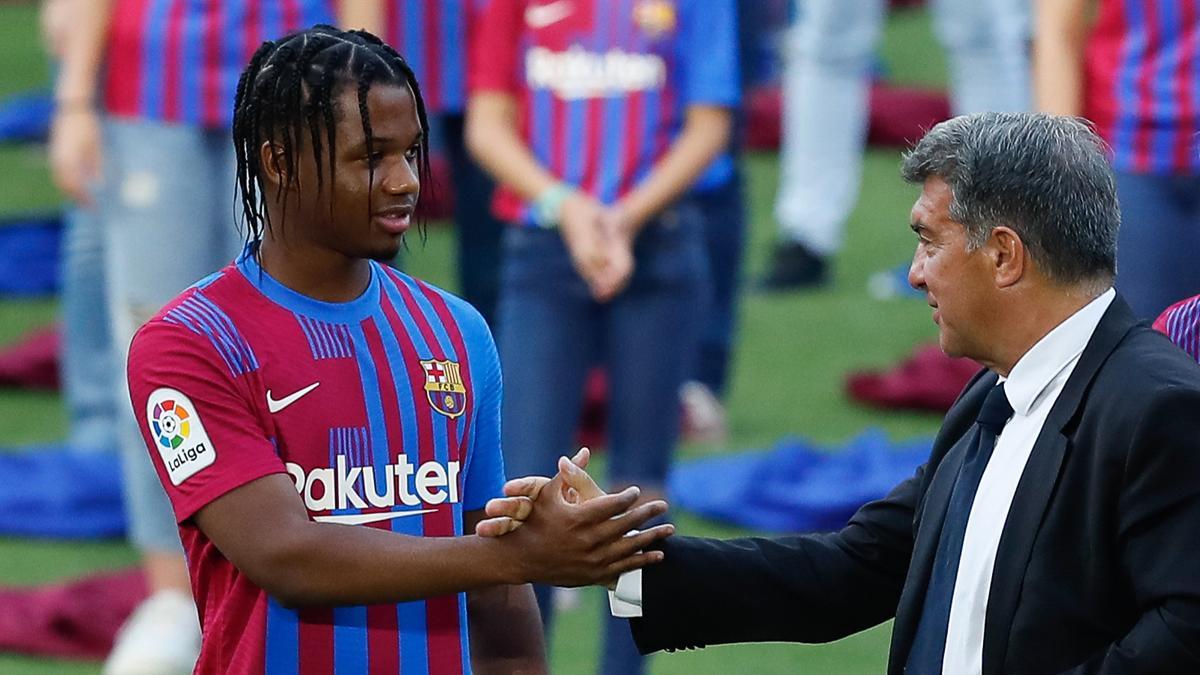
(289, 90)
(1045, 176)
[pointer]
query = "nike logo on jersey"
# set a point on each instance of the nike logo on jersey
(541, 16)
(275, 405)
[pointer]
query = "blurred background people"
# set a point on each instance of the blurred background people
(600, 122)
(1132, 68)
(143, 106)
(828, 59)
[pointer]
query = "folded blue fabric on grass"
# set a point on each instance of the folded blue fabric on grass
(57, 492)
(26, 117)
(796, 486)
(29, 250)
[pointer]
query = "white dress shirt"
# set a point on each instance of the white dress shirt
(1032, 388)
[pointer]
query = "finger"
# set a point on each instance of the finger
(634, 562)
(603, 508)
(579, 480)
(517, 508)
(496, 527)
(529, 486)
(633, 520)
(582, 457)
(627, 546)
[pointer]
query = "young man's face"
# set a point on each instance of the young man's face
(957, 281)
(350, 214)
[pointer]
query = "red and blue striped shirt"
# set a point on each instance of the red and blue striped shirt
(179, 61)
(1181, 323)
(602, 85)
(432, 36)
(1142, 83)
(384, 411)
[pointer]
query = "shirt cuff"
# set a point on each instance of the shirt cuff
(626, 601)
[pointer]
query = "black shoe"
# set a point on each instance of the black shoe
(794, 266)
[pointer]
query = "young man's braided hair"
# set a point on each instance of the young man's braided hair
(287, 96)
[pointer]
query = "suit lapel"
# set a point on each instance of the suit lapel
(1037, 483)
(947, 456)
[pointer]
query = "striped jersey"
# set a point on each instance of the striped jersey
(432, 36)
(384, 411)
(179, 61)
(1142, 83)
(1181, 323)
(602, 85)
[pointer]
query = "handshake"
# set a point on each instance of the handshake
(566, 531)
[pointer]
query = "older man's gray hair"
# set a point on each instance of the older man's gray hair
(1044, 176)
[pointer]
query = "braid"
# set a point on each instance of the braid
(286, 97)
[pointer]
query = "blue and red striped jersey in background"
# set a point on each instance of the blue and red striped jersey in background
(432, 36)
(384, 411)
(1142, 86)
(179, 60)
(1181, 323)
(602, 85)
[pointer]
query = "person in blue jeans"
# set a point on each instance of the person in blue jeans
(597, 118)
(141, 137)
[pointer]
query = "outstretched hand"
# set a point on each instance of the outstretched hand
(507, 513)
(572, 533)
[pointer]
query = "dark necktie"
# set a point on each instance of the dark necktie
(929, 644)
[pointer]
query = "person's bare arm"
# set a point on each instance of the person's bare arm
(492, 137)
(1059, 38)
(301, 562)
(75, 130)
(506, 629)
(706, 133)
(368, 15)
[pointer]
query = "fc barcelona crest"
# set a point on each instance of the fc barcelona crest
(444, 387)
(655, 17)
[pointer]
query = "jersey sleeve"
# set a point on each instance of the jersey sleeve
(496, 30)
(484, 477)
(203, 435)
(708, 53)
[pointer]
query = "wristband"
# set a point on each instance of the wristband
(549, 203)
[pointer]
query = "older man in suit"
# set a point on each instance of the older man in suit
(1056, 525)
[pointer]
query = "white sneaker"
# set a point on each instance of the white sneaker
(161, 637)
(703, 414)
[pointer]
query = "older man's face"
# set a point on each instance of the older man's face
(957, 282)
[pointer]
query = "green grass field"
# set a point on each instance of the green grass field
(792, 355)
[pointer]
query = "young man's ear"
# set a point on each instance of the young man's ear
(274, 163)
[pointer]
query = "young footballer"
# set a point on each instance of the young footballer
(327, 428)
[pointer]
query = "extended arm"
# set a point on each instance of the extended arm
(302, 562)
(1059, 38)
(811, 588)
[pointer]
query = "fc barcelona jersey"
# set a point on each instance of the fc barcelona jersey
(384, 411)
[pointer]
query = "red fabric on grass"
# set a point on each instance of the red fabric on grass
(72, 619)
(926, 380)
(32, 361)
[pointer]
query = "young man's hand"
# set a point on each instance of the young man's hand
(574, 533)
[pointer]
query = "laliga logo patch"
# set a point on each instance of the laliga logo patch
(655, 17)
(178, 434)
(444, 387)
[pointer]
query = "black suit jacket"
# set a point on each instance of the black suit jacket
(1098, 567)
